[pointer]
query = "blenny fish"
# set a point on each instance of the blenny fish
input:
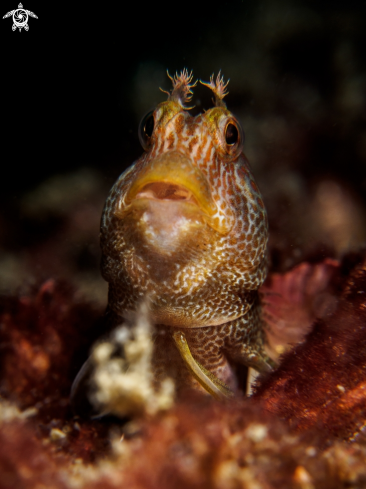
(185, 229)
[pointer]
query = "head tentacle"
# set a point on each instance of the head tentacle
(219, 89)
(182, 85)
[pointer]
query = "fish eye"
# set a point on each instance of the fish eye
(231, 134)
(146, 129)
(232, 137)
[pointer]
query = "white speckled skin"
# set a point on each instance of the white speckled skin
(198, 256)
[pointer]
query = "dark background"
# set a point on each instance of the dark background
(75, 86)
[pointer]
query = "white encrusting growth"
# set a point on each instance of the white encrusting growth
(9, 411)
(124, 383)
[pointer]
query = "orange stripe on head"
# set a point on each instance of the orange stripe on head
(208, 154)
(192, 143)
(201, 146)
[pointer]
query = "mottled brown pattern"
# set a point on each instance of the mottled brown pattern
(179, 125)
(192, 142)
(216, 348)
(186, 229)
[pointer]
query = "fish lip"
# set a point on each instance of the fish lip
(146, 193)
(173, 177)
(166, 191)
(175, 172)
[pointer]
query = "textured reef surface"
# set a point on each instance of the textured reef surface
(303, 427)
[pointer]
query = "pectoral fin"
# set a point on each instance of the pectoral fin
(208, 381)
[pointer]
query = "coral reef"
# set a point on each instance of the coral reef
(302, 428)
(333, 356)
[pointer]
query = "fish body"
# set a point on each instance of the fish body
(185, 229)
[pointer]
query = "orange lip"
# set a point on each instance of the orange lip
(172, 176)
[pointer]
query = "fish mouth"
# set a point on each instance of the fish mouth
(166, 191)
(172, 179)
